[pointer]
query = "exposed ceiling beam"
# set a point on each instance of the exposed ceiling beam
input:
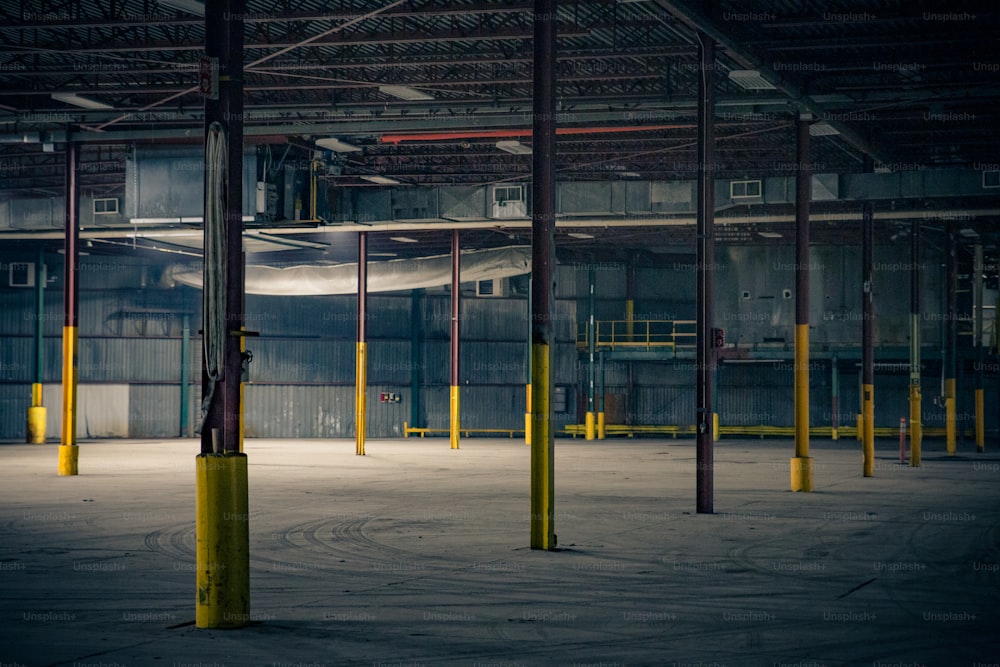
(742, 56)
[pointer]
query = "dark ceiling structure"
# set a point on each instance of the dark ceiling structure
(427, 92)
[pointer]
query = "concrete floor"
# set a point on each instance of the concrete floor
(417, 555)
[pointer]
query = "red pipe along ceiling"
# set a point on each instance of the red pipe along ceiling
(526, 132)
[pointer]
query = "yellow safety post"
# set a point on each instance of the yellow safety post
(801, 465)
(859, 429)
(36, 416)
(602, 432)
(542, 473)
(527, 414)
(916, 427)
(361, 373)
(590, 427)
(868, 424)
(455, 417)
(222, 537)
(949, 415)
(69, 451)
(715, 427)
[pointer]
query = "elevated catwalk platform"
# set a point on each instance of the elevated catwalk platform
(418, 555)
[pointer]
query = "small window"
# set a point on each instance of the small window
(106, 206)
(507, 193)
(744, 189)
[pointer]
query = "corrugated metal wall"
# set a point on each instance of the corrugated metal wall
(302, 376)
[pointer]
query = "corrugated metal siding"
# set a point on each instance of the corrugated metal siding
(154, 411)
(14, 402)
(290, 411)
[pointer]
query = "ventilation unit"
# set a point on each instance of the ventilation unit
(508, 202)
(492, 288)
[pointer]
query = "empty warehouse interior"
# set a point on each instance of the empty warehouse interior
(421, 284)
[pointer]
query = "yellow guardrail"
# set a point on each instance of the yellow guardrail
(422, 431)
(640, 334)
(845, 432)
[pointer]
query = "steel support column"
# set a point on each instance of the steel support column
(834, 397)
(590, 423)
(222, 537)
(602, 432)
(867, 353)
(543, 267)
(916, 417)
(361, 357)
(68, 449)
(416, 356)
(455, 421)
(36, 412)
(705, 258)
(977, 285)
(184, 419)
(527, 369)
(801, 463)
(951, 337)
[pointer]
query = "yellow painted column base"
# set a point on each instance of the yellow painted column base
(868, 421)
(36, 424)
(527, 414)
(715, 427)
(602, 431)
(455, 417)
(222, 541)
(590, 429)
(949, 424)
(69, 457)
(834, 434)
(916, 427)
(542, 454)
(802, 473)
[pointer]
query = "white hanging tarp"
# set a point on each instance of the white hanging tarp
(385, 276)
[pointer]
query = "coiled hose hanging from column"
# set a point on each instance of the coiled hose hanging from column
(214, 285)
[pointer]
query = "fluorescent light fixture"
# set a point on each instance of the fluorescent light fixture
(405, 93)
(629, 174)
(403, 239)
(580, 235)
(968, 233)
(83, 102)
(381, 180)
(189, 6)
(337, 146)
(750, 79)
(769, 235)
(822, 129)
(514, 146)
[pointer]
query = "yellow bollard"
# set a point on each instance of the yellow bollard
(949, 415)
(602, 432)
(589, 427)
(715, 427)
(222, 541)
